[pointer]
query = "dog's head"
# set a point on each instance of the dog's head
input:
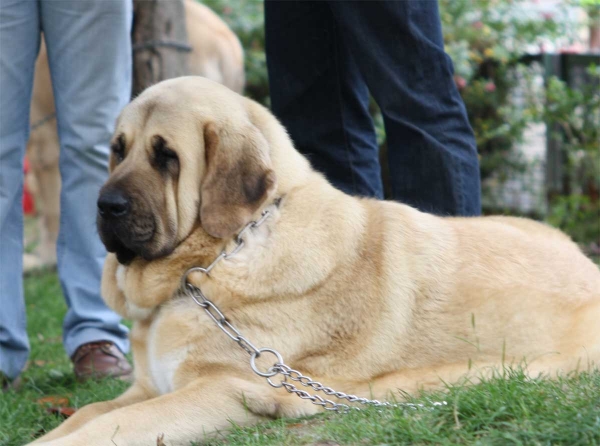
(184, 152)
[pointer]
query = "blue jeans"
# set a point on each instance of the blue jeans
(325, 58)
(89, 51)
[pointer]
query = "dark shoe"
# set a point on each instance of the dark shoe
(98, 360)
(7, 384)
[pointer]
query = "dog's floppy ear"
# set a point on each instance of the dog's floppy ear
(238, 179)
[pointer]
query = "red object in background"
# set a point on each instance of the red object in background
(28, 203)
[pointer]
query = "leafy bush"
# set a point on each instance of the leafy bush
(487, 41)
(573, 116)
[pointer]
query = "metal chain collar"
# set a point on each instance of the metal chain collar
(279, 367)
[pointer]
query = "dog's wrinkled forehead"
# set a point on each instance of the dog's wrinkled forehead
(177, 110)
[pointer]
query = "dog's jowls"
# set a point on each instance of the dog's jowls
(365, 296)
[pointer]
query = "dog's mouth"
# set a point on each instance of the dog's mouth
(113, 243)
(128, 244)
(125, 255)
(124, 242)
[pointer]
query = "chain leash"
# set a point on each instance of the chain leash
(279, 367)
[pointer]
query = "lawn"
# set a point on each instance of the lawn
(507, 409)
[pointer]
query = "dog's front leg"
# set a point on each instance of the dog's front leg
(133, 395)
(203, 408)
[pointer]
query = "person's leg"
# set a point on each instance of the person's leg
(432, 155)
(319, 95)
(19, 44)
(89, 51)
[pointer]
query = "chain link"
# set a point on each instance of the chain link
(278, 367)
(306, 381)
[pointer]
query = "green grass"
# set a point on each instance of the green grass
(49, 371)
(509, 409)
(504, 410)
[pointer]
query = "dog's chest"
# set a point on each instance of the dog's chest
(163, 360)
(163, 368)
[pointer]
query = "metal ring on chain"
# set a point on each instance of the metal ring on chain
(281, 383)
(270, 372)
(184, 279)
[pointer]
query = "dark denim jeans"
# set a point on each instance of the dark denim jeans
(325, 57)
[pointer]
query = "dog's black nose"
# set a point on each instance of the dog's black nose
(113, 204)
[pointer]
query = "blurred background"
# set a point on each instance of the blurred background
(529, 73)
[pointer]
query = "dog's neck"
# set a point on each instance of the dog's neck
(294, 251)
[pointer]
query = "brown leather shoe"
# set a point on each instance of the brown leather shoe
(102, 359)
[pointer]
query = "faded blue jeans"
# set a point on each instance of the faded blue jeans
(325, 59)
(89, 52)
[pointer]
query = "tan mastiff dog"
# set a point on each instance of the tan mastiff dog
(216, 54)
(369, 297)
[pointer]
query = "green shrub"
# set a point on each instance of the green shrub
(573, 117)
(487, 40)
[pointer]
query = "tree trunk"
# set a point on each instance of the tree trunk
(160, 45)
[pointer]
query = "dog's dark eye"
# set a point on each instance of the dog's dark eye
(118, 149)
(164, 155)
(164, 158)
